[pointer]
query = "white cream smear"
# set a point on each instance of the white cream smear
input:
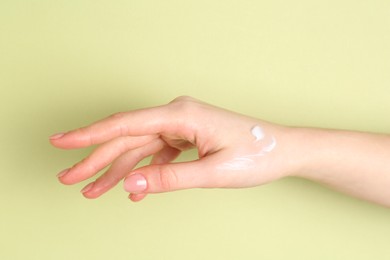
(257, 132)
(267, 144)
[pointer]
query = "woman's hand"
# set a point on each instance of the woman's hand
(234, 150)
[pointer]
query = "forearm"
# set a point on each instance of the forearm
(352, 162)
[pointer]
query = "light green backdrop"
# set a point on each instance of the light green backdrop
(64, 64)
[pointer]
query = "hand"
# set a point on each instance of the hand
(234, 150)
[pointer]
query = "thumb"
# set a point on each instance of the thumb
(170, 177)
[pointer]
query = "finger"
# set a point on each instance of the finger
(173, 176)
(101, 157)
(165, 155)
(120, 168)
(140, 122)
(135, 197)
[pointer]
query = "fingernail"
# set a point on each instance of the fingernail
(87, 188)
(135, 183)
(61, 174)
(56, 136)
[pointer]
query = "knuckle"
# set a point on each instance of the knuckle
(117, 115)
(120, 125)
(123, 129)
(182, 98)
(185, 105)
(88, 165)
(86, 132)
(168, 178)
(138, 155)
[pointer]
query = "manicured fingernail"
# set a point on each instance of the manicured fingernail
(135, 183)
(56, 136)
(87, 188)
(63, 173)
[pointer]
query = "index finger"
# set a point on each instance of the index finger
(134, 123)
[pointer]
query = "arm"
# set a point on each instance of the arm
(352, 162)
(235, 151)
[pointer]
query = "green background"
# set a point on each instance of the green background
(64, 64)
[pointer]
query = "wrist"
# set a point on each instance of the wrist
(302, 150)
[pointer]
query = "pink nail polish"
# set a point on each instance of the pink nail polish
(63, 173)
(135, 183)
(56, 136)
(87, 188)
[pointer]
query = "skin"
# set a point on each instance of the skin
(351, 162)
